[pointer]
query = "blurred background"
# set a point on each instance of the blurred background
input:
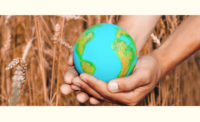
(35, 50)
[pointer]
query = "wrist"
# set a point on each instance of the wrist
(139, 28)
(159, 59)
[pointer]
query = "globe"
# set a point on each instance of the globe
(105, 51)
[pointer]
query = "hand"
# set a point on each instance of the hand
(126, 90)
(69, 87)
(141, 33)
(71, 76)
(149, 69)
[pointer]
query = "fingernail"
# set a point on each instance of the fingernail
(81, 98)
(72, 70)
(65, 89)
(113, 86)
(67, 78)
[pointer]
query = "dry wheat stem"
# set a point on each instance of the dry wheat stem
(74, 17)
(59, 58)
(110, 19)
(16, 61)
(26, 50)
(17, 82)
(53, 72)
(67, 45)
(55, 38)
(13, 63)
(155, 39)
(7, 18)
(41, 57)
(8, 40)
(19, 74)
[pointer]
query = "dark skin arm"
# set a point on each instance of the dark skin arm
(139, 27)
(181, 44)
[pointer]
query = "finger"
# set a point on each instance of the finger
(94, 101)
(78, 82)
(82, 97)
(96, 84)
(138, 94)
(101, 88)
(66, 89)
(70, 59)
(69, 75)
(76, 88)
(128, 83)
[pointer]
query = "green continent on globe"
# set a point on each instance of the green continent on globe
(124, 51)
(87, 66)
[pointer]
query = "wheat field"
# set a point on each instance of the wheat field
(35, 50)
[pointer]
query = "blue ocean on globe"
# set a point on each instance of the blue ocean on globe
(106, 51)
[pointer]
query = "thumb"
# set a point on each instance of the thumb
(125, 84)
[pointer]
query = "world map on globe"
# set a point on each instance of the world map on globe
(105, 51)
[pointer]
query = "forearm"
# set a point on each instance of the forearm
(139, 27)
(181, 44)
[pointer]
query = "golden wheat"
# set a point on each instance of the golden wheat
(44, 44)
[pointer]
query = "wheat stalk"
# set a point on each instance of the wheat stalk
(8, 40)
(41, 57)
(8, 18)
(155, 39)
(54, 62)
(62, 23)
(19, 75)
(74, 17)
(110, 19)
(17, 82)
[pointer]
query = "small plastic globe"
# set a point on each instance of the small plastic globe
(106, 51)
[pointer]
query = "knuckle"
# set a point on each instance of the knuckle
(107, 95)
(146, 81)
(74, 79)
(124, 86)
(145, 78)
(100, 97)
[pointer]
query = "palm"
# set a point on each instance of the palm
(131, 89)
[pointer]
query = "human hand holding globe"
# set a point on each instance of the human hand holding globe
(117, 49)
(125, 90)
(130, 90)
